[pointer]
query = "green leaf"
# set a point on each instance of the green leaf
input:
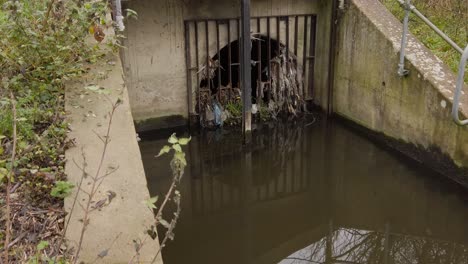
(42, 245)
(97, 89)
(173, 139)
(164, 223)
(177, 147)
(3, 174)
(180, 156)
(62, 189)
(164, 150)
(92, 87)
(131, 13)
(2, 137)
(151, 202)
(184, 141)
(1, 150)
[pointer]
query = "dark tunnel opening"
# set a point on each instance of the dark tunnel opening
(261, 46)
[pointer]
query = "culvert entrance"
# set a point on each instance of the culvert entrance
(283, 56)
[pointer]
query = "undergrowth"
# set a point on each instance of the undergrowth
(43, 43)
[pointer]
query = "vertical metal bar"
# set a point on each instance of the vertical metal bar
(269, 59)
(278, 36)
(239, 54)
(331, 56)
(188, 62)
(458, 89)
(401, 66)
(229, 60)
(219, 61)
(296, 25)
(304, 55)
(259, 63)
(313, 26)
(306, 37)
(208, 58)
(287, 44)
(246, 69)
(197, 68)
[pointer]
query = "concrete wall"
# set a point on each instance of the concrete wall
(125, 218)
(154, 57)
(368, 91)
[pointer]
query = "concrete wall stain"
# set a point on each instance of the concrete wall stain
(154, 58)
(415, 109)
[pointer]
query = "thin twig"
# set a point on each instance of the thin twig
(176, 178)
(158, 215)
(49, 9)
(8, 187)
(95, 184)
(75, 199)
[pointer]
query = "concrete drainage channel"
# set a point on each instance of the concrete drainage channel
(414, 112)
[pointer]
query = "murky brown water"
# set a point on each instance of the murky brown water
(308, 193)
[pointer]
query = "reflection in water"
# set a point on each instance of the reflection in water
(308, 193)
(359, 246)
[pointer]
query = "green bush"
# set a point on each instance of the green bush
(42, 44)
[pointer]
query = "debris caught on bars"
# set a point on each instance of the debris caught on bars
(281, 93)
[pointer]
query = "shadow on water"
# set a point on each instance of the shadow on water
(308, 193)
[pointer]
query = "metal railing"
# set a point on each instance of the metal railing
(461, 69)
(458, 90)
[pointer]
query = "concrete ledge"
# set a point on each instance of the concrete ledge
(126, 218)
(415, 109)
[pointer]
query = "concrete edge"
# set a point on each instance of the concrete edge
(428, 65)
(125, 218)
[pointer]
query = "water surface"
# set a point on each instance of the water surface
(308, 192)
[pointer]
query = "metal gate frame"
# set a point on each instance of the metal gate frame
(195, 49)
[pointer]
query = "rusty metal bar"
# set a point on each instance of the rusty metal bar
(304, 59)
(208, 58)
(188, 63)
(269, 59)
(287, 44)
(278, 36)
(239, 52)
(296, 25)
(313, 25)
(259, 62)
(246, 69)
(198, 67)
(219, 61)
(229, 59)
(233, 18)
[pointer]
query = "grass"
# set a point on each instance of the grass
(450, 16)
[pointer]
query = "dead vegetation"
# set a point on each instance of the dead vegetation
(282, 93)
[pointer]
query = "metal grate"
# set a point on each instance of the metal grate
(213, 53)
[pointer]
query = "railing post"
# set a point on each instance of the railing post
(458, 89)
(246, 69)
(404, 38)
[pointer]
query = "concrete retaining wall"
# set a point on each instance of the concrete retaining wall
(367, 90)
(154, 57)
(125, 218)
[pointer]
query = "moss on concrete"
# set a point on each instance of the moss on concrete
(160, 123)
